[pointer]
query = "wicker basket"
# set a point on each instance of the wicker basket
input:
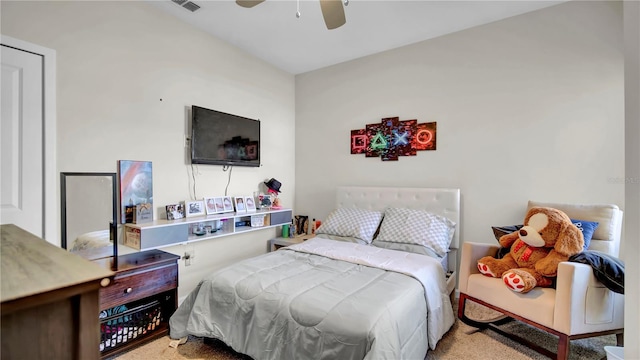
(120, 328)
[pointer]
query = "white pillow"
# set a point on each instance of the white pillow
(351, 222)
(420, 227)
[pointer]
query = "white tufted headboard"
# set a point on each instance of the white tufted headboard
(441, 201)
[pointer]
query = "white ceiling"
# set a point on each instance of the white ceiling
(272, 32)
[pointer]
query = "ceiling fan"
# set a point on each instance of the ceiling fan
(332, 11)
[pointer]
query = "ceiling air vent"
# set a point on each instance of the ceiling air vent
(191, 6)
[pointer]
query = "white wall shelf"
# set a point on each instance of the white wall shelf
(162, 233)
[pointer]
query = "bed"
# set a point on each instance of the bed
(95, 245)
(355, 291)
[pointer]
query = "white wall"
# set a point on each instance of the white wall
(127, 76)
(531, 107)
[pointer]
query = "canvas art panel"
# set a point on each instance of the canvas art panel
(425, 138)
(389, 130)
(375, 140)
(136, 184)
(358, 141)
(403, 142)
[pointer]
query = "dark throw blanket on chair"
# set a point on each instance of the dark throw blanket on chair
(607, 269)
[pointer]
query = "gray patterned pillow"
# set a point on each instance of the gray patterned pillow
(420, 227)
(412, 248)
(352, 222)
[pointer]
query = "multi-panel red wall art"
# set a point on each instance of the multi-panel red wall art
(392, 138)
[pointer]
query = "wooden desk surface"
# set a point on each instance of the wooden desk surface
(29, 265)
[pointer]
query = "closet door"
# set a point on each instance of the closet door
(22, 164)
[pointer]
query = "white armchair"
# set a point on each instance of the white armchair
(579, 307)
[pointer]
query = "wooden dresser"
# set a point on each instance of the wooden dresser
(145, 291)
(49, 299)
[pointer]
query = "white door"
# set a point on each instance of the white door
(21, 134)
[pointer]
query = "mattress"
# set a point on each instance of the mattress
(322, 299)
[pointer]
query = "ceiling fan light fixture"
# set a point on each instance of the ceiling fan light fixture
(248, 3)
(332, 11)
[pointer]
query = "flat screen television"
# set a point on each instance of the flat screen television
(218, 138)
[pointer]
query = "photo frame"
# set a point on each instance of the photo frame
(218, 204)
(265, 201)
(175, 211)
(210, 205)
(194, 208)
(240, 206)
(227, 204)
(250, 204)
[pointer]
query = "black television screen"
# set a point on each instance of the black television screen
(219, 138)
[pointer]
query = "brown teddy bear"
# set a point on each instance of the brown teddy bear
(547, 238)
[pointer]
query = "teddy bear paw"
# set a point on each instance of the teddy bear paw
(515, 281)
(485, 270)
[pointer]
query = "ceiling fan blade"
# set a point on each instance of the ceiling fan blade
(248, 3)
(333, 13)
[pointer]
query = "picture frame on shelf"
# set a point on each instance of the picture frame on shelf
(266, 201)
(141, 213)
(218, 203)
(194, 208)
(210, 205)
(250, 203)
(227, 204)
(240, 206)
(175, 211)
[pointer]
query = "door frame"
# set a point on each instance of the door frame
(50, 181)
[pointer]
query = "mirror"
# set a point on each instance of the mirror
(89, 214)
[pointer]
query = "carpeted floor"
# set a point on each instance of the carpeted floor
(461, 342)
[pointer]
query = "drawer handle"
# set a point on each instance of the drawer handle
(128, 290)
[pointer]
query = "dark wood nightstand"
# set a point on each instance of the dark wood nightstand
(146, 283)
